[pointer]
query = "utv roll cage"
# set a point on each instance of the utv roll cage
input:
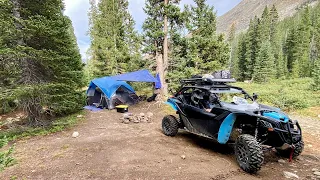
(211, 84)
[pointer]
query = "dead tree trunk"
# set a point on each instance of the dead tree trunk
(165, 53)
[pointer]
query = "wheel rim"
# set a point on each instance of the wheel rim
(242, 154)
(166, 126)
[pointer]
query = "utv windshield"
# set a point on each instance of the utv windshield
(231, 95)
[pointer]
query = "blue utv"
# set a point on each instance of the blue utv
(242, 122)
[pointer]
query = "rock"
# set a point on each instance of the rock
(183, 156)
(317, 173)
(136, 119)
(299, 158)
(80, 116)
(127, 115)
(308, 177)
(149, 114)
(290, 175)
(75, 134)
(142, 114)
(9, 119)
(281, 161)
(309, 145)
(315, 169)
(144, 119)
(126, 121)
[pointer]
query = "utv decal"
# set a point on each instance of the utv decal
(226, 128)
(173, 105)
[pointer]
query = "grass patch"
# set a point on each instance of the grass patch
(58, 125)
(294, 94)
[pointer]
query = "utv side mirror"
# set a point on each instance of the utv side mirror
(255, 96)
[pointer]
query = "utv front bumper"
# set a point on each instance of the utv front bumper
(285, 133)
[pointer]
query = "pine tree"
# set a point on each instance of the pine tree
(242, 58)
(45, 52)
(114, 42)
(233, 51)
(207, 50)
(304, 36)
(265, 67)
(265, 24)
(316, 66)
(291, 52)
(8, 36)
(274, 17)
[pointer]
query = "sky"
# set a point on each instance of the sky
(77, 10)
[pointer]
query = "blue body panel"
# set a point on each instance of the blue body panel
(226, 128)
(277, 115)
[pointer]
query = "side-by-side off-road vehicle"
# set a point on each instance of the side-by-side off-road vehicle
(242, 122)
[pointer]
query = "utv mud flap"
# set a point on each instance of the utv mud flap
(226, 128)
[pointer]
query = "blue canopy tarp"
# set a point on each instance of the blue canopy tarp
(109, 85)
(137, 76)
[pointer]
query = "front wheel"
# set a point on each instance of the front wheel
(249, 153)
(170, 125)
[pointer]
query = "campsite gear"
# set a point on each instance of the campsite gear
(137, 76)
(143, 97)
(224, 74)
(122, 108)
(152, 98)
(113, 91)
(92, 108)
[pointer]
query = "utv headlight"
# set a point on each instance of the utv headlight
(267, 125)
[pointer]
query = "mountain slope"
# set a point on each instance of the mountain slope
(247, 9)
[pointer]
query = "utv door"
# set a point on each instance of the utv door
(201, 122)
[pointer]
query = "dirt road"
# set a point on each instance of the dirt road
(109, 149)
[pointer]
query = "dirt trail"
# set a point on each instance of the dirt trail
(108, 149)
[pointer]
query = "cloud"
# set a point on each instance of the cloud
(77, 10)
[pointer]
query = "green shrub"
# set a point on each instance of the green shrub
(6, 159)
(286, 94)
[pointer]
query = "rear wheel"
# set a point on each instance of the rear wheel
(298, 148)
(170, 125)
(249, 153)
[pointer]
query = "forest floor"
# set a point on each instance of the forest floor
(109, 149)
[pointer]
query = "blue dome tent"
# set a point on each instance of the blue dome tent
(112, 91)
